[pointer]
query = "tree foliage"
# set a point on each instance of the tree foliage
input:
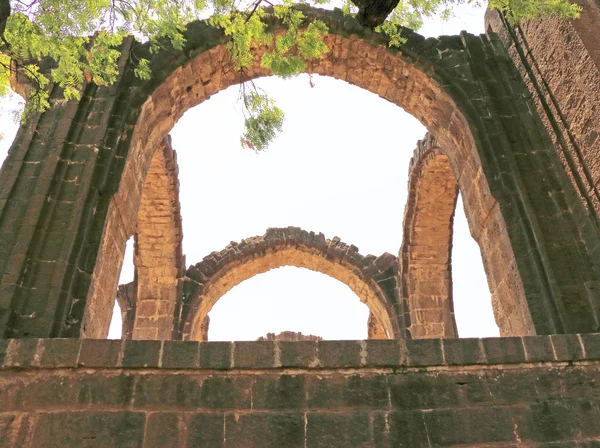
(81, 39)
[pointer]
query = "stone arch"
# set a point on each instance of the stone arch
(372, 279)
(148, 303)
(467, 94)
(426, 269)
(158, 257)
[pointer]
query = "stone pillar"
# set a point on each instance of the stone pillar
(58, 176)
(158, 259)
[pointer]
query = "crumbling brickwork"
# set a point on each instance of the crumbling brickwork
(427, 243)
(159, 262)
(371, 278)
(290, 336)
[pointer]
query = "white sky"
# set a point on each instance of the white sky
(340, 167)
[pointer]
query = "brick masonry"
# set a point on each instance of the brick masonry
(533, 391)
(158, 258)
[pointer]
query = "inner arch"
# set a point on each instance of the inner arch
(368, 277)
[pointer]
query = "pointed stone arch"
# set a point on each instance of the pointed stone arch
(425, 256)
(436, 81)
(62, 220)
(371, 278)
(148, 303)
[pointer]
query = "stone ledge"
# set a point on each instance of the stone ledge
(94, 353)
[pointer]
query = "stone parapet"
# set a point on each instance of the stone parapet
(305, 355)
(529, 391)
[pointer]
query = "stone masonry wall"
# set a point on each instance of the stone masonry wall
(71, 185)
(426, 252)
(560, 62)
(538, 391)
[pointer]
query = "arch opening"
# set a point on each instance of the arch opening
(121, 324)
(471, 295)
(301, 301)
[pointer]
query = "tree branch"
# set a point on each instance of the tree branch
(372, 13)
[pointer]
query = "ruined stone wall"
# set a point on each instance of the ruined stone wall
(72, 183)
(560, 62)
(497, 392)
(191, 297)
(290, 336)
(426, 252)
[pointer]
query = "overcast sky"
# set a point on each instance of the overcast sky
(339, 167)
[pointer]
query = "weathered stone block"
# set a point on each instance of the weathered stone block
(424, 352)
(512, 387)
(463, 351)
(399, 429)
(591, 343)
(180, 355)
(167, 392)
(100, 353)
(116, 389)
(254, 355)
(504, 350)
(298, 354)
(382, 353)
(356, 391)
(567, 347)
(206, 430)
(229, 392)
(416, 391)
(283, 429)
(59, 352)
(21, 353)
(140, 354)
(215, 355)
(350, 428)
(538, 348)
(163, 430)
(279, 392)
(338, 354)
